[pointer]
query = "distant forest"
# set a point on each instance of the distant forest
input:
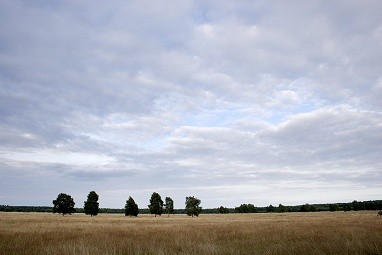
(243, 208)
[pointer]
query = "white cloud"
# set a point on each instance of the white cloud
(244, 101)
(59, 157)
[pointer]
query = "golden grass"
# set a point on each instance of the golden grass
(288, 233)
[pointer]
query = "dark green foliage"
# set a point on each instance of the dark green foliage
(91, 206)
(333, 207)
(246, 208)
(64, 204)
(131, 208)
(156, 204)
(346, 207)
(193, 206)
(373, 205)
(357, 206)
(308, 208)
(366, 205)
(304, 208)
(223, 209)
(282, 208)
(169, 205)
(10, 208)
(270, 208)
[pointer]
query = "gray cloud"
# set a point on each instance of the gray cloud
(241, 102)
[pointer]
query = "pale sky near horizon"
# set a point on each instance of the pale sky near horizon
(261, 102)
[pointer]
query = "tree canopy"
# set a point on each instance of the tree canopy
(169, 205)
(131, 208)
(307, 208)
(91, 205)
(333, 207)
(193, 206)
(156, 204)
(223, 209)
(64, 204)
(246, 208)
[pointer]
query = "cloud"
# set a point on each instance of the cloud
(241, 102)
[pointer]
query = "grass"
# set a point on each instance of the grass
(288, 233)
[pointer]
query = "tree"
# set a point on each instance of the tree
(251, 208)
(246, 208)
(307, 208)
(243, 208)
(156, 204)
(131, 208)
(282, 208)
(193, 206)
(223, 210)
(304, 208)
(270, 208)
(347, 207)
(333, 207)
(64, 204)
(357, 206)
(91, 206)
(169, 205)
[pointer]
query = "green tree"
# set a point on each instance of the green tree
(333, 207)
(308, 208)
(270, 208)
(347, 207)
(193, 206)
(91, 205)
(169, 205)
(282, 208)
(251, 208)
(223, 209)
(64, 204)
(246, 208)
(156, 204)
(243, 208)
(304, 208)
(357, 206)
(131, 208)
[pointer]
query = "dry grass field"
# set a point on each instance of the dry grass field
(288, 233)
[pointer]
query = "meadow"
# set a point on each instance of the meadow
(272, 233)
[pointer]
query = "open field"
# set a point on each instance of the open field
(288, 233)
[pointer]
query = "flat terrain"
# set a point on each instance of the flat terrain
(288, 233)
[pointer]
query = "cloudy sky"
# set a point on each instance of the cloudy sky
(261, 102)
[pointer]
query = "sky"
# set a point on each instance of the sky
(261, 102)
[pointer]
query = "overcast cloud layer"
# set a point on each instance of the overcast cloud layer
(237, 102)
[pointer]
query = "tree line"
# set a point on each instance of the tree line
(64, 204)
(351, 206)
(243, 208)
